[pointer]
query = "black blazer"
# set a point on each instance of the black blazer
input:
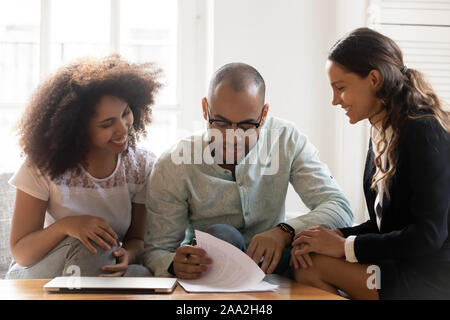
(415, 221)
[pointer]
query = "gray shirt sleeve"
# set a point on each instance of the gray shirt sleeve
(167, 215)
(316, 187)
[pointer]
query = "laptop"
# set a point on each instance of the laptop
(73, 284)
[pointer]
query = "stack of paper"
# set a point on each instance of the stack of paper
(231, 271)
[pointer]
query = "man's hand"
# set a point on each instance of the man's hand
(190, 262)
(270, 245)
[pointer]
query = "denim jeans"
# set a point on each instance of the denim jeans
(232, 235)
(71, 257)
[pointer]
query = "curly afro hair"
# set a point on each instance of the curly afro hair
(53, 129)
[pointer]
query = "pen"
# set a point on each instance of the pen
(192, 243)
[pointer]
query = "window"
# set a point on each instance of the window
(36, 37)
(422, 30)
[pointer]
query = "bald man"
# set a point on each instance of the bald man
(231, 181)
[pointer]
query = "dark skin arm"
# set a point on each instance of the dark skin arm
(30, 242)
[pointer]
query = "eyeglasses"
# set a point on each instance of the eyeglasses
(224, 124)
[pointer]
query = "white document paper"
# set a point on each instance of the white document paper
(231, 271)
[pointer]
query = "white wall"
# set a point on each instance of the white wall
(288, 41)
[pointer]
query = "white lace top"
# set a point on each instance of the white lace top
(76, 192)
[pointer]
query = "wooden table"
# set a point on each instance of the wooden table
(288, 290)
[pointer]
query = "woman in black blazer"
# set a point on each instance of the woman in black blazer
(403, 251)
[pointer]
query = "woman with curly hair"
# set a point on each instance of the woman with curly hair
(403, 250)
(81, 189)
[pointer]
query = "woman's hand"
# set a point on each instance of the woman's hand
(85, 228)
(303, 260)
(321, 240)
(118, 269)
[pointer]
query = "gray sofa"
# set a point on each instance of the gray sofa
(7, 195)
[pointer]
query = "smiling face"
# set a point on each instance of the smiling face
(109, 126)
(230, 105)
(355, 94)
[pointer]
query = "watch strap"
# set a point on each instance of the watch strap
(287, 228)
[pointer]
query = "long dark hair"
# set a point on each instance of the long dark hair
(404, 92)
(53, 127)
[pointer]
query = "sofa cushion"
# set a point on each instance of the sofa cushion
(7, 195)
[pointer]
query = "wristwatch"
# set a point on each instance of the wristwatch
(287, 228)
